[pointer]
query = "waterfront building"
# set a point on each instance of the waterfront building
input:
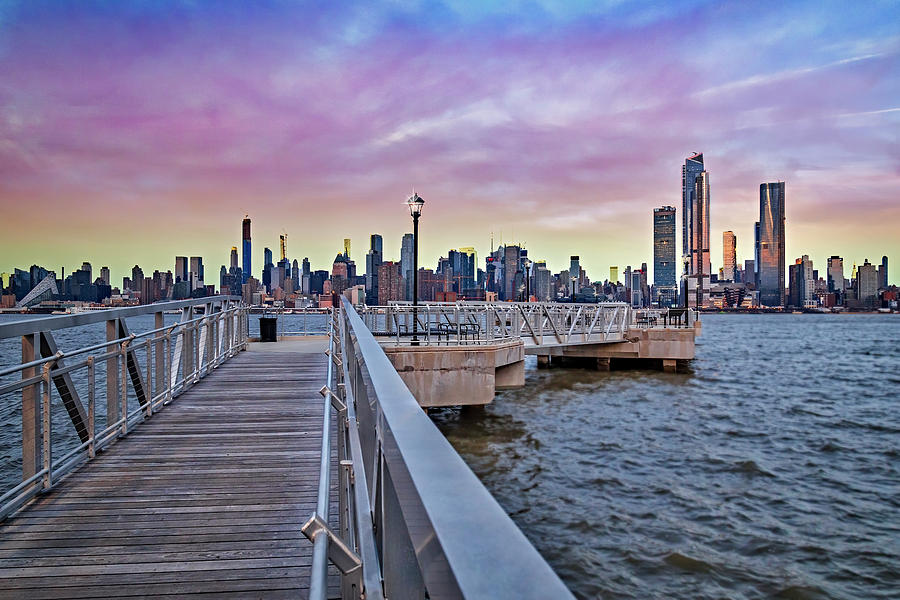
(867, 283)
(770, 246)
(245, 240)
(695, 231)
(196, 274)
(801, 286)
(664, 282)
(390, 283)
(406, 265)
(574, 274)
(729, 256)
(835, 274)
(181, 268)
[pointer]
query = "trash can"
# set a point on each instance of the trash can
(268, 327)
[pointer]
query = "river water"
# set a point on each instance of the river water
(770, 470)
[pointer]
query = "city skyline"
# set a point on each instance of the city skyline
(138, 134)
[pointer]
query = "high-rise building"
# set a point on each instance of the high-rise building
(836, 275)
(867, 283)
(541, 276)
(801, 284)
(883, 274)
(574, 273)
(614, 275)
(305, 277)
(389, 282)
(137, 279)
(268, 267)
(729, 255)
(234, 258)
(245, 239)
(663, 256)
(86, 267)
(347, 248)
(695, 231)
(376, 243)
(104, 275)
(374, 258)
(181, 268)
(196, 276)
(406, 265)
(770, 263)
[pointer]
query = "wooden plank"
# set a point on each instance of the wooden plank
(206, 498)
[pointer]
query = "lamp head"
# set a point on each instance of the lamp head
(415, 203)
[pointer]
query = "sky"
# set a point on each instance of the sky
(132, 132)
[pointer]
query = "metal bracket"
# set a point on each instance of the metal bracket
(346, 560)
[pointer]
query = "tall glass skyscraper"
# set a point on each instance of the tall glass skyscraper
(664, 255)
(695, 215)
(245, 238)
(770, 265)
(729, 255)
(695, 231)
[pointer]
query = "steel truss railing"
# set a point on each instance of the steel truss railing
(537, 323)
(176, 357)
(414, 521)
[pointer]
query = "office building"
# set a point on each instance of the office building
(883, 274)
(801, 284)
(233, 263)
(835, 275)
(770, 247)
(196, 274)
(614, 275)
(406, 265)
(245, 240)
(867, 283)
(664, 271)
(181, 268)
(729, 256)
(104, 275)
(695, 231)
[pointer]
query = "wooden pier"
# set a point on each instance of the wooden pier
(206, 498)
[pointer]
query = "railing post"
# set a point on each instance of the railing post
(123, 349)
(167, 363)
(149, 388)
(91, 397)
(47, 426)
(112, 374)
(31, 416)
(159, 323)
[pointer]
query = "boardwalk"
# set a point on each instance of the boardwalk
(207, 497)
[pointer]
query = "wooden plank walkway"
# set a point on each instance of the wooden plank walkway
(207, 497)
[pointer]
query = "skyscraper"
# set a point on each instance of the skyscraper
(695, 230)
(181, 268)
(374, 259)
(614, 275)
(836, 275)
(883, 274)
(729, 255)
(406, 265)
(268, 267)
(104, 275)
(770, 264)
(346, 247)
(867, 283)
(234, 257)
(196, 275)
(574, 274)
(245, 237)
(663, 256)
(376, 243)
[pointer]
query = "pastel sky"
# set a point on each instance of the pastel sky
(131, 132)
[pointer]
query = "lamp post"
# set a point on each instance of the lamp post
(527, 280)
(573, 289)
(415, 203)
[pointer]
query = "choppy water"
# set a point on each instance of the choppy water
(771, 470)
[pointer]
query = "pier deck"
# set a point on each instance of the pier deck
(207, 497)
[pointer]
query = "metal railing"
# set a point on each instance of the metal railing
(536, 323)
(175, 356)
(295, 321)
(414, 521)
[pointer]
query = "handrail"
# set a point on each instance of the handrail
(438, 528)
(175, 356)
(28, 326)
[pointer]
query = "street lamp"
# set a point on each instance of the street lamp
(573, 288)
(527, 280)
(415, 203)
